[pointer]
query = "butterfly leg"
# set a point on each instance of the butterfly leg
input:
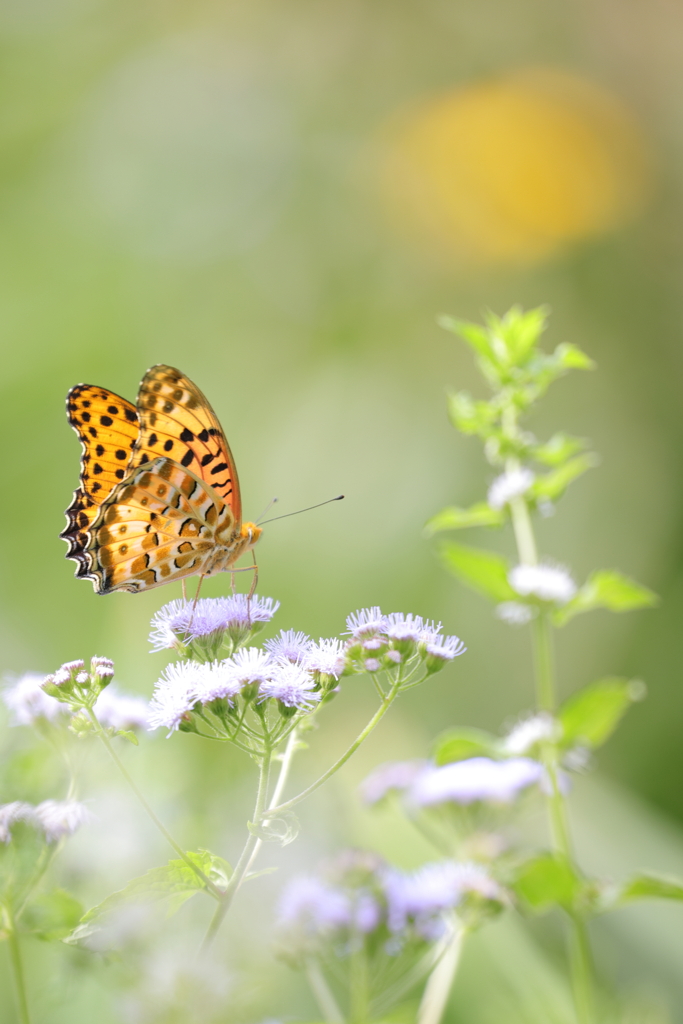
(183, 584)
(196, 596)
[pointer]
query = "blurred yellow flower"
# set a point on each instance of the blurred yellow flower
(512, 169)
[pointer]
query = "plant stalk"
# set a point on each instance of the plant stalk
(440, 981)
(17, 969)
(323, 994)
(237, 877)
(213, 889)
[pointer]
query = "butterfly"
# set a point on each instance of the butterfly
(159, 499)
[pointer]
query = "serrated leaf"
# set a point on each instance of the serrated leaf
(590, 716)
(558, 449)
(547, 881)
(52, 915)
(520, 331)
(553, 485)
(476, 337)
(470, 416)
(459, 744)
(175, 881)
(570, 357)
(483, 571)
(649, 886)
(607, 589)
(454, 518)
(127, 734)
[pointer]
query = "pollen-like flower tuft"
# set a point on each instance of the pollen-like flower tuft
(392, 776)
(175, 694)
(250, 665)
(292, 685)
(327, 657)
(180, 622)
(474, 779)
(545, 582)
(527, 733)
(514, 613)
(60, 818)
(289, 645)
(366, 623)
(508, 486)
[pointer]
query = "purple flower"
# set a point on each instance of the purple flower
(441, 649)
(289, 645)
(185, 621)
(292, 685)
(60, 818)
(366, 623)
(314, 906)
(219, 680)
(477, 778)
(27, 701)
(249, 665)
(394, 775)
(327, 657)
(422, 897)
(405, 627)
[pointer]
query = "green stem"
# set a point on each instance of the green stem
(580, 960)
(17, 969)
(237, 877)
(213, 889)
(287, 757)
(359, 988)
(323, 994)
(440, 981)
(375, 720)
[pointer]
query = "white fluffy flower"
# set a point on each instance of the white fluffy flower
(291, 685)
(175, 694)
(477, 778)
(508, 486)
(514, 613)
(326, 657)
(546, 582)
(60, 818)
(394, 775)
(10, 814)
(28, 701)
(528, 733)
(120, 711)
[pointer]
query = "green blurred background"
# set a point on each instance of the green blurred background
(279, 198)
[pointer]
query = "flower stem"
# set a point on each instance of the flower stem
(237, 877)
(440, 981)
(580, 960)
(286, 764)
(17, 969)
(375, 720)
(359, 987)
(323, 994)
(213, 889)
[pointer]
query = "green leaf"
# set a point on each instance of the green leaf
(460, 518)
(648, 886)
(470, 416)
(569, 357)
(476, 336)
(554, 484)
(607, 589)
(483, 571)
(127, 734)
(590, 717)
(547, 881)
(175, 882)
(53, 915)
(558, 449)
(519, 331)
(459, 744)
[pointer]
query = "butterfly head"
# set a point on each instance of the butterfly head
(250, 533)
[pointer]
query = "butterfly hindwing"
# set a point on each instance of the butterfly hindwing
(177, 421)
(107, 427)
(159, 525)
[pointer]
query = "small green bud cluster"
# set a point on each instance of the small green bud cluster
(78, 687)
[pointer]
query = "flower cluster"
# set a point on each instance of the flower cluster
(30, 703)
(359, 898)
(473, 780)
(201, 628)
(291, 673)
(380, 642)
(77, 686)
(56, 819)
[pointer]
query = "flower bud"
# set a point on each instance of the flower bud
(187, 723)
(285, 710)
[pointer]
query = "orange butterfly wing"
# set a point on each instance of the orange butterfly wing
(160, 525)
(107, 426)
(176, 421)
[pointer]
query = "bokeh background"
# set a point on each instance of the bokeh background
(280, 197)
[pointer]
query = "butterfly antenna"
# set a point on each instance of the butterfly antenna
(267, 509)
(287, 514)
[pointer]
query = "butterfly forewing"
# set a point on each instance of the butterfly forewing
(158, 526)
(177, 421)
(107, 426)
